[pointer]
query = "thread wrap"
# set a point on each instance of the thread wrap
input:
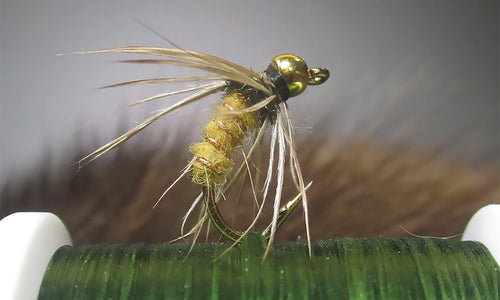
(366, 268)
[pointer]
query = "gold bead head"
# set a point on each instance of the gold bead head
(295, 73)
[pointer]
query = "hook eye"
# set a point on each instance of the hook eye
(318, 75)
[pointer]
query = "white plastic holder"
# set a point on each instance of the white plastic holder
(484, 227)
(28, 240)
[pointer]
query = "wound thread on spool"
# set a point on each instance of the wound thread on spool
(365, 268)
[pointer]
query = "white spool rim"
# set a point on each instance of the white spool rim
(484, 227)
(28, 240)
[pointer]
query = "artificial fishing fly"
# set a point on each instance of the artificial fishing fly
(251, 102)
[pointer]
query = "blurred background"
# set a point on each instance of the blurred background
(414, 85)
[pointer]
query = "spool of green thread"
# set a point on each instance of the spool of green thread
(405, 268)
(340, 269)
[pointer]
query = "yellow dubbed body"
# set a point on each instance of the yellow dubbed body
(213, 156)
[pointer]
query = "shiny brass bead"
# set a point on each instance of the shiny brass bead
(293, 70)
(296, 75)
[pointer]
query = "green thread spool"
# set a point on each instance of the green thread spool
(405, 268)
(341, 268)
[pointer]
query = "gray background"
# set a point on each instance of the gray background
(421, 72)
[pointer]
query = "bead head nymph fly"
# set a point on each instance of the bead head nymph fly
(251, 103)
